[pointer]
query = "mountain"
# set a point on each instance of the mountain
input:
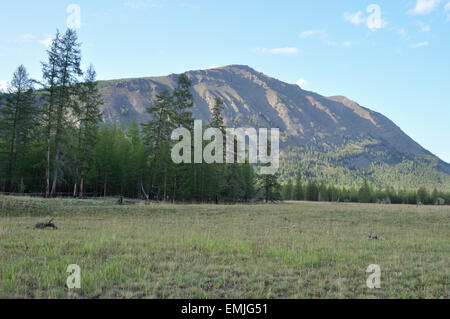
(330, 139)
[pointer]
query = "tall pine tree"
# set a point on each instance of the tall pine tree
(89, 116)
(69, 58)
(157, 135)
(50, 71)
(298, 190)
(18, 120)
(218, 122)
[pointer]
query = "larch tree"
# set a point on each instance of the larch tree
(365, 193)
(218, 122)
(18, 119)
(68, 62)
(157, 134)
(90, 115)
(298, 189)
(270, 187)
(183, 103)
(249, 181)
(137, 160)
(50, 71)
(288, 190)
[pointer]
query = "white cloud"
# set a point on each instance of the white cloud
(312, 33)
(301, 82)
(317, 34)
(401, 32)
(189, 5)
(25, 38)
(47, 41)
(425, 6)
(354, 18)
(423, 27)
(140, 4)
(283, 51)
(420, 45)
(347, 44)
(3, 86)
(287, 50)
(446, 9)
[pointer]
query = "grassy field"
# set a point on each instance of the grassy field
(289, 250)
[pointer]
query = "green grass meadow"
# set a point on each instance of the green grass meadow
(287, 250)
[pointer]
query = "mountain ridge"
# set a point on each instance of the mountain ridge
(307, 120)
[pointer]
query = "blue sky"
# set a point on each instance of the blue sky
(390, 56)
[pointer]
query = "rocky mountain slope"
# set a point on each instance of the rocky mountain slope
(329, 138)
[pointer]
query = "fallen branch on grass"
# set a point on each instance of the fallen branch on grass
(45, 225)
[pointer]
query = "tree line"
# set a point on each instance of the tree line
(52, 141)
(333, 165)
(309, 190)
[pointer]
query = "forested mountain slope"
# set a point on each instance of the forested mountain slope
(331, 139)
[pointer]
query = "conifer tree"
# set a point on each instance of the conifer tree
(89, 116)
(69, 57)
(183, 102)
(288, 190)
(218, 122)
(157, 134)
(248, 176)
(50, 70)
(423, 195)
(104, 157)
(136, 165)
(18, 120)
(298, 191)
(312, 191)
(217, 118)
(269, 187)
(364, 194)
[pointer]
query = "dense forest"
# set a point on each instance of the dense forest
(312, 191)
(53, 143)
(348, 165)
